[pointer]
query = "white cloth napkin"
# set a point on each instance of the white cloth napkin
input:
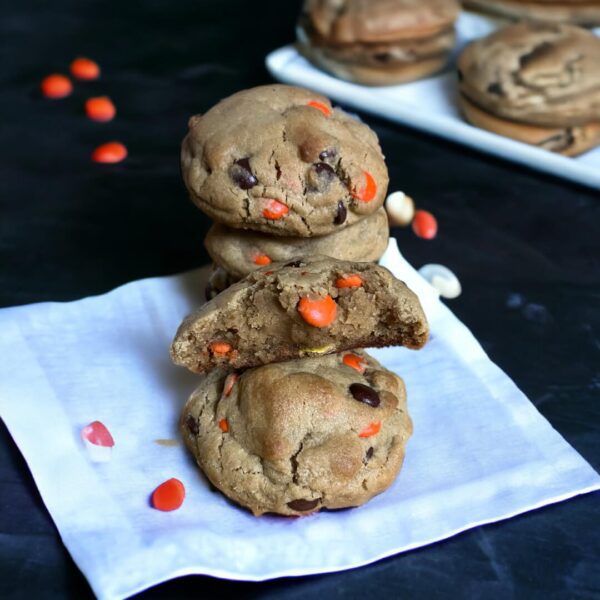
(480, 451)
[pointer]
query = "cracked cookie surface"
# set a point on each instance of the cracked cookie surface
(281, 160)
(310, 306)
(295, 437)
(240, 252)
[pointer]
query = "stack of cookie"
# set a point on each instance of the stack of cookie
(291, 418)
(284, 174)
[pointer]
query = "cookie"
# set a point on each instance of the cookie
(241, 252)
(279, 159)
(218, 280)
(378, 42)
(293, 438)
(310, 306)
(579, 12)
(538, 83)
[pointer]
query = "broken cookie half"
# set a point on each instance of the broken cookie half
(305, 307)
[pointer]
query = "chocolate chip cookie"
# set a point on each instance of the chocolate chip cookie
(281, 160)
(580, 12)
(378, 42)
(240, 252)
(538, 83)
(295, 437)
(309, 306)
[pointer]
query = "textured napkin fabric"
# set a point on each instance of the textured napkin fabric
(480, 451)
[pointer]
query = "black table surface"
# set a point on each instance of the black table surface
(525, 246)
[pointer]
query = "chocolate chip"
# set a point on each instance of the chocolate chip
(369, 454)
(364, 393)
(320, 176)
(296, 263)
(341, 213)
(242, 174)
(192, 425)
(328, 154)
(324, 171)
(383, 57)
(495, 88)
(537, 52)
(303, 505)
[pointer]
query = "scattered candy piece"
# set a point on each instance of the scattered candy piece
(371, 429)
(111, 152)
(230, 381)
(224, 425)
(85, 69)
(169, 495)
(367, 191)
(364, 393)
(319, 312)
(220, 347)
(320, 106)
(425, 225)
(349, 281)
(100, 109)
(358, 363)
(275, 210)
(98, 441)
(400, 209)
(56, 86)
(318, 349)
(442, 279)
(262, 260)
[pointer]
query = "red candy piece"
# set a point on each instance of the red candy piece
(96, 433)
(230, 381)
(367, 191)
(349, 281)
(220, 347)
(371, 429)
(111, 152)
(100, 109)
(319, 312)
(85, 69)
(56, 86)
(262, 260)
(355, 362)
(169, 495)
(275, 210)
(424, 225)
(320, 106)
(224, 425)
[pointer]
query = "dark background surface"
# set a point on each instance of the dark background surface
(526, 248)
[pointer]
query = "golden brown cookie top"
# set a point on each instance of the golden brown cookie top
(546, 74)
(349, 21)
(282, 160)
(298, 436)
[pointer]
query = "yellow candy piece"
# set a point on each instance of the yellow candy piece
(318, 349)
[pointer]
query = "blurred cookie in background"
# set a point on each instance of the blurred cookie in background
(378, 42)
(536, 83)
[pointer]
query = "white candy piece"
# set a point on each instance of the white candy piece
(442, 279)
(400, 209)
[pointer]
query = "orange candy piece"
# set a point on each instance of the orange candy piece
(371, 429)
(320, 106)
(111, 152)
(425, 225)
(262, 260)
(275, 210)
(318, 313)
(368, 191)
(349, 281)
(230, 381)
(355, 362)
(224, 425)
(56, 86)
(85, 69)
(220, 347)
(169, 495)
(100, 109)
